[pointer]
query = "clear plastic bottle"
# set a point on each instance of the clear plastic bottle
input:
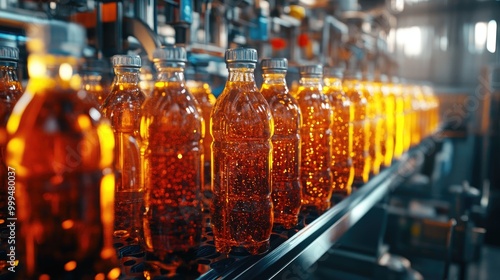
(286, 185)
(92, 83)
(342, 131)
(122, 107)
(10, 91)
(172, 133)
(361, 145)
(242, 127)
(316, 135)
(61, 152)
(202, 92)
(388, 120)
(432, 109)
(408, 113)
(373, 118)
(396, 93)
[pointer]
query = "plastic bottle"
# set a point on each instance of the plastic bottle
(360, 150)
(316, 135)
(373, 117)
(432, 109)
(61, 154)
(172, 132)
(342, 131)
(92, 70)
(122, 107)
(388, 121)
(242, 127)
(408, 113)
(286, 185)
(395, 90)
(202, 92)
(10, 91)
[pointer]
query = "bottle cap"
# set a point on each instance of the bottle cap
(170, 54)
(241, 55)
(274, 64)
(126, 61)
(56, 37)
(9, 53)
(311, 70)
(333, 72)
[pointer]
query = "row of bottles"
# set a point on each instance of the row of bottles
(93, 163)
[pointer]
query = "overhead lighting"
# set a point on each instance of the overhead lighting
(480, 35)
(491, 40)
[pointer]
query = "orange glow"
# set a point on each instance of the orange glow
(114, 273)
(107, 144)
(69, 266)
(107, 212)
(67, 224)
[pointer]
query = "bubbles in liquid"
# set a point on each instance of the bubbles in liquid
(171, 130)
(286, 185)
(242, 127)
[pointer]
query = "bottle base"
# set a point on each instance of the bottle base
(287, 221)
(255, 248)
(320, 207)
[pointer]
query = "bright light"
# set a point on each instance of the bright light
(398, 5)
(491, 43)
(443, 43)
(65, 71)
(480, 34)
(410, 38)
(391, 41)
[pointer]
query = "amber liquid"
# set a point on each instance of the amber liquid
(422, 117)
(206, 100)
(123, 109)
(64, 186)
(10, 92)
(286, 185)
(373, 117)
(242, 127)
(316, 152)
(395, 91)
(171, 130)
(94, 88)
(409, 117)
(361, 131)
(388, 124)
(433, 110)
(342, 131)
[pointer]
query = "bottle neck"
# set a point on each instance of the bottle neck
(171, 74)
(274, 78)
(333, 83)
(352, 84)
(92, 78)
(311, 81)
(127, 75)
(241, 74)
(8, 71)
